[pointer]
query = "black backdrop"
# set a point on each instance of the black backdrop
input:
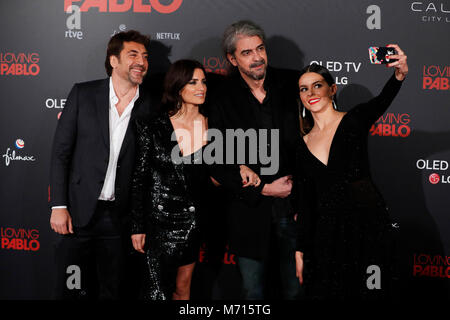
(44, 50)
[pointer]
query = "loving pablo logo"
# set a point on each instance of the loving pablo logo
(19, 239)
(436, 77)
(228, 257)
(143, 6)
(19, 64)
(392, 125)
(427, 265)
(215, 64)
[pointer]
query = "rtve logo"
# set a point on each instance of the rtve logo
(124, 5)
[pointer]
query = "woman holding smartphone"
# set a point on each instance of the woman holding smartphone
(343, 223)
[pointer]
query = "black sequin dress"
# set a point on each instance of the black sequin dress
(344, 226)
(166, 204)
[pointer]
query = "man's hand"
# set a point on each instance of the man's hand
(138, 242)
(299, 266)
(249, 177)
(60, 221)
(280, 188)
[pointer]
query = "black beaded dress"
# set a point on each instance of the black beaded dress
(167, 201)
(343, 223)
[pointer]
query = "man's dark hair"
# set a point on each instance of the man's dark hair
(243, 28)
(115, 45)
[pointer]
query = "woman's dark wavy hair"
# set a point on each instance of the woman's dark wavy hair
(179, 74)
(307, 123)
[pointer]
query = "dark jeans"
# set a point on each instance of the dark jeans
(254, 272)
(91, 256)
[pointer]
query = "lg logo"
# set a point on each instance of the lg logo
(374, 20)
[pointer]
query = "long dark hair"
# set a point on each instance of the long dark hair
(179, 74)
(307, 122)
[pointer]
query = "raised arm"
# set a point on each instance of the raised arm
(370, 111)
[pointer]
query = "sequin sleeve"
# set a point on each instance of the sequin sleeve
(140, 187)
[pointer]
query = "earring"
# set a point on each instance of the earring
(303, 113)
(334, 105)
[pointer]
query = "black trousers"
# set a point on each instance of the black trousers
(90, 261)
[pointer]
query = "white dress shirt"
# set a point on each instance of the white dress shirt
(117, 128)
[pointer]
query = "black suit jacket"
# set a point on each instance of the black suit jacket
(80, 152)
(248, 211)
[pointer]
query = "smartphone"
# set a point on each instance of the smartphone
(377, 55)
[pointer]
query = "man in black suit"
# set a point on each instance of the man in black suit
(261, 219)
(92, 162)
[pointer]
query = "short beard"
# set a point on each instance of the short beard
(253, 75)
(138, 82)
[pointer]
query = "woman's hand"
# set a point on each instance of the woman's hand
(249, 178)
(401, 66)
(299, 266)
(138, 242)
(215, 182)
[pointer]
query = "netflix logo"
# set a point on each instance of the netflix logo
(19, 239)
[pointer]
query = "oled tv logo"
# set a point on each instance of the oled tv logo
(392, 125)
(337, 66)
(19, 64)
(215, 64)
(436, 77)
(73, 23)
(434, 165)
(20, 239)
(10, 154)
(432, 11)
(144, 6)
(426, 265)
(53, 103)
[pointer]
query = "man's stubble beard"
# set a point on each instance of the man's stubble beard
(254, 75)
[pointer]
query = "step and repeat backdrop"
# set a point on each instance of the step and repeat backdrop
(48, 45)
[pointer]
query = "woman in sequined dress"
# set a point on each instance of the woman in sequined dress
(343, 223)
(169, 184)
